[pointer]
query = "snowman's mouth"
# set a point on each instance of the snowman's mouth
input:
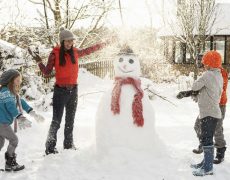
(124, 70)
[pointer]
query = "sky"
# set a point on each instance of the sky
(135, 12)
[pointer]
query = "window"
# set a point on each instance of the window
(188, 56)
(219, 45)
(165, 47)
(170, 50)
(179, 52)
(207, 46)
(228, 51)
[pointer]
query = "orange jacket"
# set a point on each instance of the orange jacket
(223, 99)
(67, 74)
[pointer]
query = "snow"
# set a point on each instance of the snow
(185, 82)
(119, 130)
(173, 124)
(114, 131)
(13, 56)
(123, 68)
(10, 47)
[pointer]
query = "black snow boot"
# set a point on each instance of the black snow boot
(220, 152)
(51, 151)
(11, 163)
(70, 146)
(199, 150)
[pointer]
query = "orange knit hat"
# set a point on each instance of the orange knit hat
(212, 59)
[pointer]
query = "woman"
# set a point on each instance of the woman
(64, 59)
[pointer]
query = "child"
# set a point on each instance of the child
(9, 101)
(210, 86)
(220, 142)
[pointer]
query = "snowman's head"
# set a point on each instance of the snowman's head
(127, 64)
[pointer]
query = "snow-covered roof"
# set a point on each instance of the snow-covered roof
(220, 27)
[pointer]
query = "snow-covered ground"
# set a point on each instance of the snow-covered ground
(174, 125)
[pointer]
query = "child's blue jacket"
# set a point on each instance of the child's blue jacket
(8, 107)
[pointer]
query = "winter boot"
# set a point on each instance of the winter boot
(70, 146)
(51, 151)
(11, 163)
(197, 166)
(219, 155)
(207, 168)
(199, 150)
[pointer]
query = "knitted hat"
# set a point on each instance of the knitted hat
(212, 59)
(8, 75)
(65, 34)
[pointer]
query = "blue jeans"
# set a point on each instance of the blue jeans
(219, 131)
(208, 126)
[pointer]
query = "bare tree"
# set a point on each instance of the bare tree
(150, 13)
(122, 21)
(195, 19)
(46, 19)
(66, 13)
(63, 14)
(97, 21)
(54, 6)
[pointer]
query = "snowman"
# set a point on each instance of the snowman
(125, 117)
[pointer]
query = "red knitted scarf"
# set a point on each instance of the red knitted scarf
(137, 106)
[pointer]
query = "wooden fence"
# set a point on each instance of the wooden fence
(98, 68)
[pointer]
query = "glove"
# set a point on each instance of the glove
(180, 95)
(36, 116)
(23, 122)
(35, 56)
(194, 98)
(183, 94)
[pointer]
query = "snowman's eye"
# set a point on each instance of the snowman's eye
(131, 61)
(121, 60)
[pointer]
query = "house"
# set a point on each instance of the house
(218, 39)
